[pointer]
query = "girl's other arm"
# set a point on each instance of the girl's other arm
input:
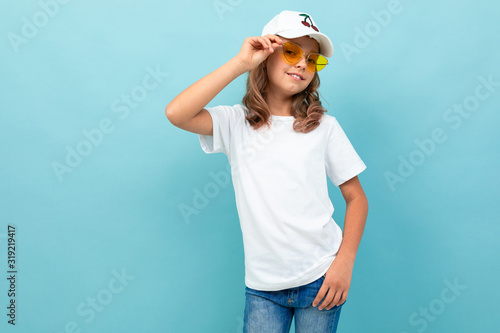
(338, 277)
(355, 218)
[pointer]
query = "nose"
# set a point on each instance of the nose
(302, 62)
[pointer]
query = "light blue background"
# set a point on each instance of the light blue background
(120, 208)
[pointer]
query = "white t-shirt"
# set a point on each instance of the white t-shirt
(279, 178)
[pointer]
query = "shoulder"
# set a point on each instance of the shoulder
(228, 114)
(332, 127)
(236, 109)
(241, 109)
(329, 118)
(329, 122)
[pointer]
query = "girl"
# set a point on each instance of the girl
(281, 148)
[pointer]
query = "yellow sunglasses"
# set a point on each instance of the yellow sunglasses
(293, 53)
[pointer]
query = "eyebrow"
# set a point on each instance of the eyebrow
(309, 51)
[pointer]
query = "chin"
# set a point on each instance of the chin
(290, 89)
(297, 91)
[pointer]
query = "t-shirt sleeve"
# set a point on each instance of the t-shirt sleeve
(341, 160)
(224, 119)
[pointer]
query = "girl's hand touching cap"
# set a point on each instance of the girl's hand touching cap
(256, 49)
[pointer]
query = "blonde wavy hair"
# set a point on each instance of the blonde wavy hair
(306, 106)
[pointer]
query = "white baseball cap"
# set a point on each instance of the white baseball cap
(291, 24)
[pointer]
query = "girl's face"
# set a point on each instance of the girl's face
(279, 70)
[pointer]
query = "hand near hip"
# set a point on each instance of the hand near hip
(335, 285)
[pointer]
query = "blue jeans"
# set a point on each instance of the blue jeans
(272, 311)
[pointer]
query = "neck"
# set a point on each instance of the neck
(279, 104)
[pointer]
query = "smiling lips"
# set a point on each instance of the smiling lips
(296, 76)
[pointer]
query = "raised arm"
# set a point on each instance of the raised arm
(186, 110)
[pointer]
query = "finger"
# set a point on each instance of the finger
(338, 296)
(276, 45)
(328, 299)
(258, 43)
(275, 41)
(269, 43)
(275, 38)
(321, 293)
(319, 296)
(335, 301)
(343, 298)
